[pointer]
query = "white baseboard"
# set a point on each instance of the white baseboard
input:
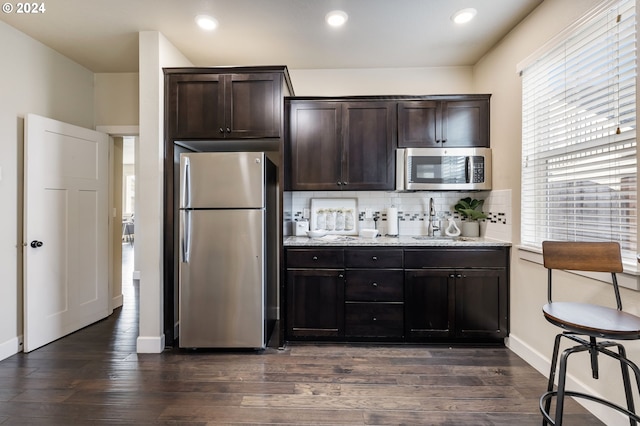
(10, 347)
(117, 301)
(150, 345)
(542, 363)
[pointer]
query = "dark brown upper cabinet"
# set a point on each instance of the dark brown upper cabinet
(459, 122)
(218, 106)
(340, 145)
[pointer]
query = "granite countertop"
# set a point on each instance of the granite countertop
(401, 241)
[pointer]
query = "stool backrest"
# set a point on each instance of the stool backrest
(583, 256)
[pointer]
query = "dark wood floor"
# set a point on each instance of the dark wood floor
(95, 377)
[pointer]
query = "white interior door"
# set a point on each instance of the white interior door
(65, 229)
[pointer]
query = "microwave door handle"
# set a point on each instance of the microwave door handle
(467, 168)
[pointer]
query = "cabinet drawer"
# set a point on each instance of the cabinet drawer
(455, 258)
(315, 258)
(373, 258)
(374, 285)
(374, 319)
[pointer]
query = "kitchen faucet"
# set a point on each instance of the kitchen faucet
(431, 228)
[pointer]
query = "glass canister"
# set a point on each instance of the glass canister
(340, 220)
(331, 220)
(349, 220)
(321, 219)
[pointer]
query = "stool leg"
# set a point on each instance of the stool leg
(627, 382)
(593, 353)
(552, 375)
(562, 379)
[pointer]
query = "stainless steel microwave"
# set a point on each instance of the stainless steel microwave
(441, 169)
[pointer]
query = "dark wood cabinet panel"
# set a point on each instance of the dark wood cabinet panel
(419, 124)
(372, 285)
(315, 303)
(373, 258)
(315, 258)
(481, 303)
(254, 105)
(315, 146)
(452, 123)
(374, 320)
(340, 145)
(218, 106)
(197, 105)
(368, 152)
(429, 304)
(465, 123)
(453, 258)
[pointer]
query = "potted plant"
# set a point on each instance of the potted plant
(470, 209)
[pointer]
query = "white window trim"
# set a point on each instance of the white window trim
(563, 35)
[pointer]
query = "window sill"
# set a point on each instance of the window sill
(630, 278)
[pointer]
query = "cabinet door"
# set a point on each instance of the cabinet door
(368, 134)
(429, 304)
(481, 303)
(419, 124)
(315, 303)
(315, 146)
(196, 106)
(465, 123)
(253, 105)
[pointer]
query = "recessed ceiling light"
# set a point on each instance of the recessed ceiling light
(336, 18)
(463, 16)
(206, 22)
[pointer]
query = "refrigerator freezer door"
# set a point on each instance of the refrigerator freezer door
(222, 288)
(222, 180)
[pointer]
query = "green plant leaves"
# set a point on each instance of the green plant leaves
(470, 208)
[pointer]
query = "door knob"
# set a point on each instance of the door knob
(36, 243)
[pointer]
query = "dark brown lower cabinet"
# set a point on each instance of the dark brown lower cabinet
(430, 304)
(315, 303)
(400, 295)
(461, 304)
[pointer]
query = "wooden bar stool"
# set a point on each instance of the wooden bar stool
(585, 323)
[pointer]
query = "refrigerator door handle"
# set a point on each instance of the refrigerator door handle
(186, 184)
(185, 244)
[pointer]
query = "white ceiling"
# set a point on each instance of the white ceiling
(102, 35)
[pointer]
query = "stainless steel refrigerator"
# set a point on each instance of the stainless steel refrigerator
(228, 250)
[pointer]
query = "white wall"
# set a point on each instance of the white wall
(531, 335)
(117, 99)
(35, 79)
(155, 52)
(382, 81)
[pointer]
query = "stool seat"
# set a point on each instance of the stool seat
(593, 320)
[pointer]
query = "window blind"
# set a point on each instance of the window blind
(579, 134)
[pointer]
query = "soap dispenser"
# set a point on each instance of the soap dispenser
(452, 229)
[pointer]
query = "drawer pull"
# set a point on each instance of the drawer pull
(375, 319)
(374, 284)
(315, 257)
(374, 257)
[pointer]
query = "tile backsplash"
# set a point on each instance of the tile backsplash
(413, 209)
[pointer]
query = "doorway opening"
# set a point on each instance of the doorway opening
(128, 198)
